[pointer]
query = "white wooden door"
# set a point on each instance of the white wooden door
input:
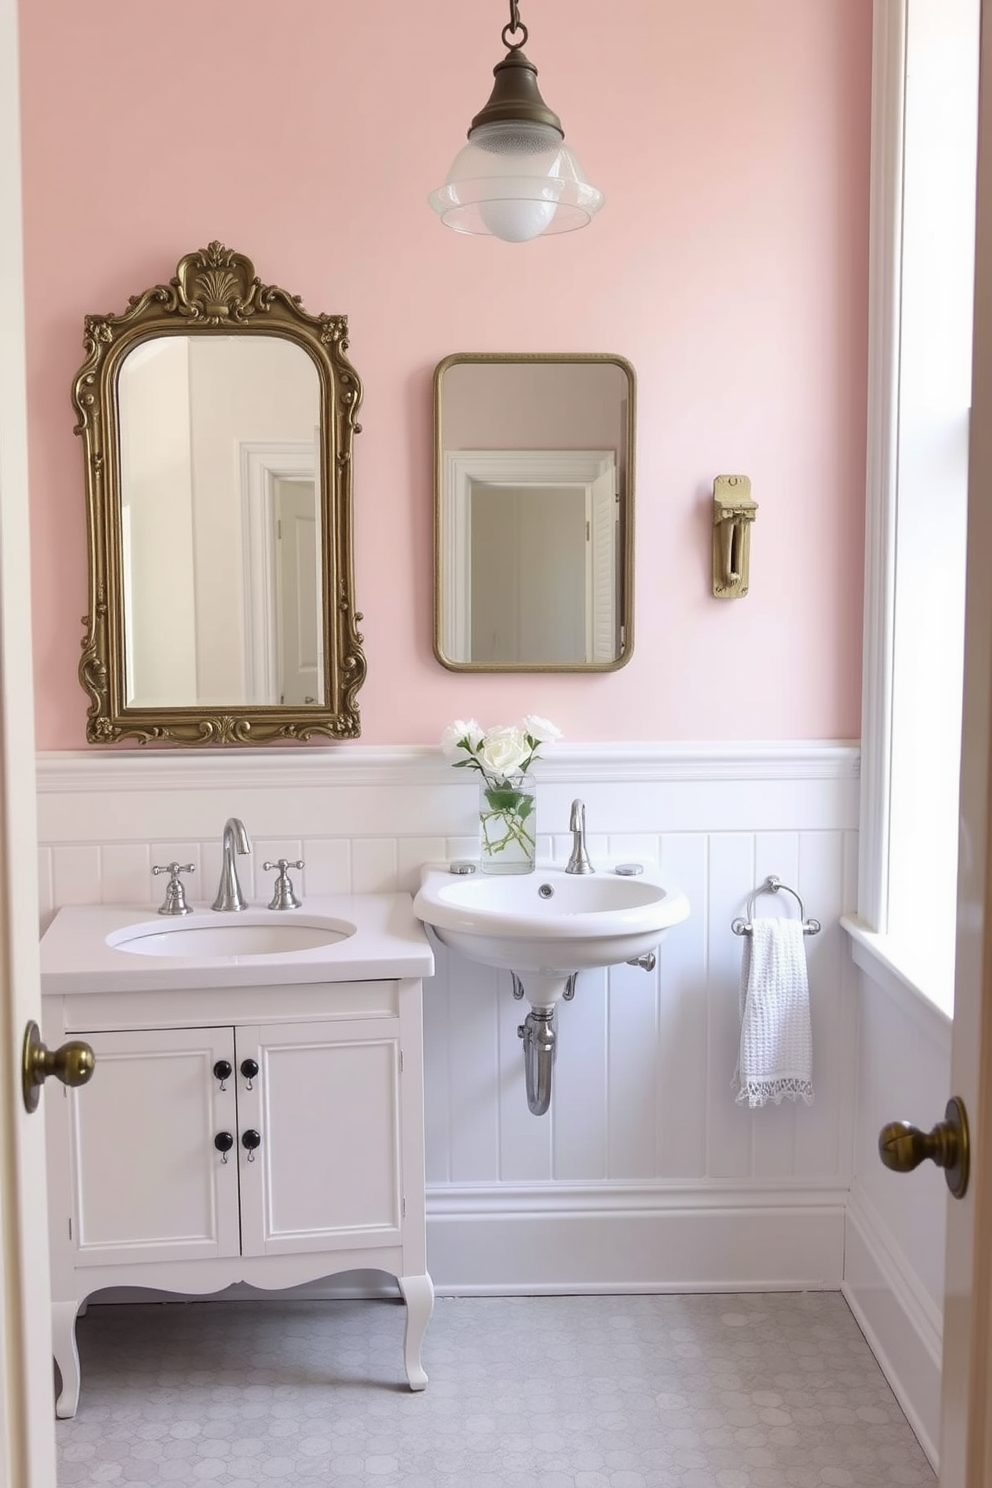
(552, 543)
(298, 592)
(966, 1415)
(326, 1105)
(27, 1431)
(146, 1181)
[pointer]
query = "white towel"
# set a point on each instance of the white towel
(776, 1050)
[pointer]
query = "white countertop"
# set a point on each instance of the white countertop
(388, 941)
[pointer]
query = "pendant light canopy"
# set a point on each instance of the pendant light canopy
(515, 179)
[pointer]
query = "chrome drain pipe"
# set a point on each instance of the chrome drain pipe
(540, 1042)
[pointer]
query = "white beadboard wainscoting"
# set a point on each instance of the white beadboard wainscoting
(894, 1244)
(645, 1174)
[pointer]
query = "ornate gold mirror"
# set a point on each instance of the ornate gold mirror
(218, 419)
(533, 513)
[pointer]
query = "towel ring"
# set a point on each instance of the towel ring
(773, 885)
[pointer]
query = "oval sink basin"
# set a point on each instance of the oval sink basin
(549, 922)
(222, 937)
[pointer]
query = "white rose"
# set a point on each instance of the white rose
(504, 749)
(540, 729)
(456, 734)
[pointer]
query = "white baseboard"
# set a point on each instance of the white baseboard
(555, 1239)
(899, 1320)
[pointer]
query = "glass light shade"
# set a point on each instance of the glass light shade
(515, 180)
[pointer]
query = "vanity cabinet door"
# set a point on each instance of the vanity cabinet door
(326, 1105)
(148, 1182)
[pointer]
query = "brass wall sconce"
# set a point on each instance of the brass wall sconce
(733, 513)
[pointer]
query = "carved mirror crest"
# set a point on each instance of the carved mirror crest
(218, 419)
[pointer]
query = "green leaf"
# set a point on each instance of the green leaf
(504, 800)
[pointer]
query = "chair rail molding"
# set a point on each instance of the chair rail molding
(376, 764)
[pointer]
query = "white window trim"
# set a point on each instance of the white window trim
(884, 326)
(918, 961)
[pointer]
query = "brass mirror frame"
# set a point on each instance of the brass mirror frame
(215, 291)
(626, 597)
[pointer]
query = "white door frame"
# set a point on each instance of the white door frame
(263, 463)
(506, 467)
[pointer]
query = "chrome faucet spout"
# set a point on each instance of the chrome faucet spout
(579, 860)
(235, 839)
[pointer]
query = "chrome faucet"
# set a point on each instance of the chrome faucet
(229, 895)
(579, 861)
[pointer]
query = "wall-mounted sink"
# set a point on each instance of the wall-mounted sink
(545, 927)
(208, 936)
(548, 924)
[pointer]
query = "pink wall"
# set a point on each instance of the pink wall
(534, 405)
(729, 265)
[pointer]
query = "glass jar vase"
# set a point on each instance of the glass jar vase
(507, 824)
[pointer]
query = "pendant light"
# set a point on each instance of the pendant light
(515, 179)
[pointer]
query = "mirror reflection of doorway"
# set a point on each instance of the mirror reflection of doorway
(527, 544)
(185, 505)
(283, 579)
(529, 548)
(297, 600)
(525, 422)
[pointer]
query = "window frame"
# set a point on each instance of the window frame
(914, 961)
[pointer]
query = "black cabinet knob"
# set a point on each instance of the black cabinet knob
(223, 1069)
(251, 1139)
(249, 1068)
(223, 1141)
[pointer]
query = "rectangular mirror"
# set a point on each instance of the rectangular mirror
(533, 512)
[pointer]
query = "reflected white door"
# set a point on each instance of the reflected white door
(529, 549)
(298, 594)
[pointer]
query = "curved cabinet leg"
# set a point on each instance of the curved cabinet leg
(418, 1294)
(66, 1356)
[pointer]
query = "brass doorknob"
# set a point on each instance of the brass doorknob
(72, 1064)
(903, 1147)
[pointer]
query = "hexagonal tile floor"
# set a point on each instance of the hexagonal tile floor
(752, 1391)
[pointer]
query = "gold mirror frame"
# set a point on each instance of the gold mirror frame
(215, 291)
(625, 553)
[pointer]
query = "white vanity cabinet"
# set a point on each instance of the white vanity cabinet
(296, 1147)
(269, 1134)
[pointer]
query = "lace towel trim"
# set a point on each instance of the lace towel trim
(759, 1092)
